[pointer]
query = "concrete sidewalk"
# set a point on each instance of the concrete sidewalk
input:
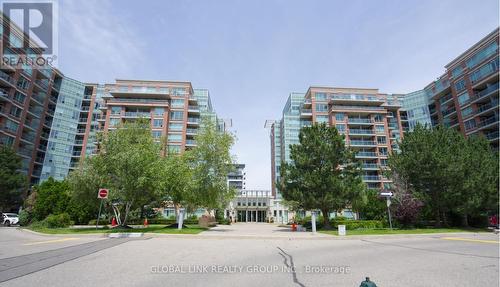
(259, 231)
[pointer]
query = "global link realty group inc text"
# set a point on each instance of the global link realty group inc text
(253, 269)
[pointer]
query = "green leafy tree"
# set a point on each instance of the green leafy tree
(12, 182)
(52, 197)
(476, 190)
(447, 171)
(323, 173)
(175, 181)
(125, 165)
(211, 162)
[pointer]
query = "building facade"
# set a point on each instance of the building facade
(236, 179)
(465, 97)
(371, 122)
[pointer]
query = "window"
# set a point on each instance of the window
(340, 128)
(470, 124)
(381, 140)
(378, 118)
(116, 110)
(22, 83)
(457, 71)
(174, 137)
(175, 126)
(179, 103)
(483, 54)
(380, 129)
(156, 134)
(484, 71)
(339, 116)
(382, 151)
(157, 123)
(11, 126)
(15, 111)
(158, 111)
(321, 107)
(19, 97)
(463, 98)
(320, 97)
(174, 149)
(114, 122)
(177, 115)
(467, 112)
(460, 85)
(322, 119)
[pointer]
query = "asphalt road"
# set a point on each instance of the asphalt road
(205, 260)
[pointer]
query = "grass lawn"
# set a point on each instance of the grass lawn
(192, 229)
(402, 231)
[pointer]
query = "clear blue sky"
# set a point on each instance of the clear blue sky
(252, 54)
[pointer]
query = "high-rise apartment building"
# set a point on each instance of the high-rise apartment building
(237, 177)
(465, 97)
(370, 121)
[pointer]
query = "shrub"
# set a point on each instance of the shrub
(38, 224)
(24, 218)
(58, 220)
(358, 224)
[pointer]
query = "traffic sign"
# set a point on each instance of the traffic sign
(389, 194)
(103, 193)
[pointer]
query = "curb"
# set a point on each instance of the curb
(125, 235)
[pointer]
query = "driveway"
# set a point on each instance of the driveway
(259, 230)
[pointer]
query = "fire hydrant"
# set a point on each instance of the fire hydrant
(368, 283)
(294, 227)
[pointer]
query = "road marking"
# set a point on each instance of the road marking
(470, 240)
(52, 241)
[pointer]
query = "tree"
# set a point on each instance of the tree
(12, 182)
(175, 181)
(125, 165)
(52, 197)
(323, 173)
(447, 171)
(406, 206)
(211, 162)
(477, 190)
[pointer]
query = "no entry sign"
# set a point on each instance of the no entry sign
(103, 193)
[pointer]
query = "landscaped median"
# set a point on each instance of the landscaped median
(162, 229)
(402, 231)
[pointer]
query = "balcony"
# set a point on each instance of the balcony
(492, 104)
(306, 112)
(370, 166)
(361, 132)
(371, 178)
(4, 94)
(492, 135)
(29, 137)
(487, 122)
(80, 131)
(191, 131)
(25, 151)
(490, 89)
(190, 142)
(6, 79)
(362, 143)
(78, 142)
(360, 121)
(44, 84)
(36, 111)
(364, 107)
(193, 120)
(193, 109)
(366, 154)
(138, 114)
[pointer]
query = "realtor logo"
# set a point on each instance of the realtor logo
(32, 32)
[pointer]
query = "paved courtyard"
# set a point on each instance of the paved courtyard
(244, 259)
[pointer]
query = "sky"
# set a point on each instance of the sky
(251, 54)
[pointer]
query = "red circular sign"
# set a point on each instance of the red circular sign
(103, 193)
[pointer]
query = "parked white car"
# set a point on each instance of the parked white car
(9, 219)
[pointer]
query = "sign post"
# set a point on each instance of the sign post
(313, 222)
(388, 196)
(181, 218)
(101, 194)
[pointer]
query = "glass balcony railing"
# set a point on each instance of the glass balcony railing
(371, 177)
(366, 154)
(359, 121)
(191, 131)
(190, 142)
(487, 121)
(492, 135)
(6, 77)
(362, 143)
(370, 165)
(486, 91)
(193, 120)
(137, 114)
(361, 131)
(487, 106)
